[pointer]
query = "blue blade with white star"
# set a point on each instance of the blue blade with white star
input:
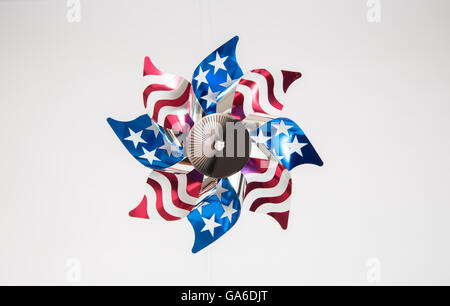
(286, 141)
(215, 215)
(215, 75)
(147, 142)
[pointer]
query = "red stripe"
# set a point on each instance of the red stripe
(254, 88)
(191, 94)
(281, 217)
(152, 88)
(141, 210)
(237, 109)
(269, 184)
(273, 200)
(174, 122)
(289, 77)
(168, 102)
(270, 85)
(149, 68)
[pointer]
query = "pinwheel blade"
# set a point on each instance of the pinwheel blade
(167, 98)
(268, 189)
(287, 142)
(215, 75)
(215, 215)
(260, 92)
(175, 193)
(147, 142)
(141, 210)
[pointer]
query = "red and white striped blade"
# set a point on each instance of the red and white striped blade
(260, 92)
(167, 98)
(268, 189)
(175, 195)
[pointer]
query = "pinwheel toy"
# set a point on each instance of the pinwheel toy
(216, 145)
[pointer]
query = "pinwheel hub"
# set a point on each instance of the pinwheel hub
(218, 145)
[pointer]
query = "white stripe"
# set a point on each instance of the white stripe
(166, 188)
(274, 207)
(275, 191)
(151, 200)
(165, 79)
(180, 111)
(265, 176)
(182, 190)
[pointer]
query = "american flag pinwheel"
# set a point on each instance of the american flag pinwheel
(216, 145)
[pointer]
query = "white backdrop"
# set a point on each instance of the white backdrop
(374, 100)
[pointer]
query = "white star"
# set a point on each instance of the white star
(295, 146)
(282, 128)
(135, 137)
(218, 63)
(211, 97)
(201, 77)
(260, 138)
(149, 155)
(210, 224)
(220, 189)
(228, 82)
(169, 147)
(228, 211)
(199, 208)
(153, 128)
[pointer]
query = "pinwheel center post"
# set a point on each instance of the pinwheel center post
(218, 145)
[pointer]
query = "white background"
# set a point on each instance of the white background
(374, 100)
